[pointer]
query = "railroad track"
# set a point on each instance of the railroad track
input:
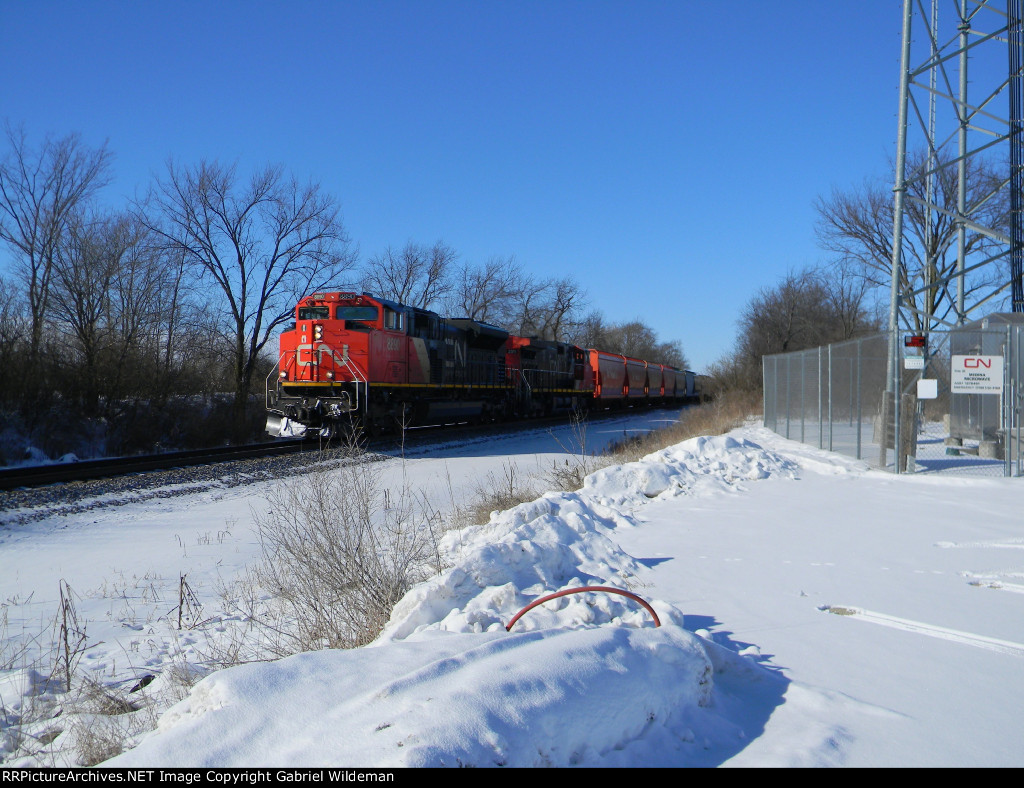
(40, 475)
(25, 477)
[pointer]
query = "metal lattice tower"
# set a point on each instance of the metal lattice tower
(958, 245)
(959, 160)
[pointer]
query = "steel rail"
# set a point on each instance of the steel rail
(40, 475)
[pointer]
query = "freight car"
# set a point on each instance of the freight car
(351, 357)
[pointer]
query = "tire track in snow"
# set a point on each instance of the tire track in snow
(943, 633)
(998, 585)
(1007, 544)
(991, 579)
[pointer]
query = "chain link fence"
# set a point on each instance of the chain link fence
(959, 409)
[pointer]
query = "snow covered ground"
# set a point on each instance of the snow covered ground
(814, 612)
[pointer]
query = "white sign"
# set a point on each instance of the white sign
(977, 375)
(927, 388)
(913, 362)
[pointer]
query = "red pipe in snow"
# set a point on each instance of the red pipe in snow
(580, 590)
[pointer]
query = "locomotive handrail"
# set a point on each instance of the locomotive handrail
(522, 375)
(274, 373)
(524, 392)
(358, 376)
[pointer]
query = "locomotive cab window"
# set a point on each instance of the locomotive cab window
(357, 318)
(314, 312)
(393, 320)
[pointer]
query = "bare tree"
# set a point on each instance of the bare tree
(171, 311)
(547, 308)
(554, 311)
(417, 276)
(848, 294)
(806, 309)
(590, 331)
(638, 340)
(485, 293)
(857, 227)
(499, 292)
(13, 334)
(528, 301)
(634, 338)
(791, 316)
(39, 192)
(85, 264)
(108, 283)
(672, 354)
(264, 243)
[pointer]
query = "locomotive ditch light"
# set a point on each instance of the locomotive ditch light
(283, 374)
(330, 375)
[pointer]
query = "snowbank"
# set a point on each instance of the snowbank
(445, 685)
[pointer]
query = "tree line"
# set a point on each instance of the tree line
(157, 321)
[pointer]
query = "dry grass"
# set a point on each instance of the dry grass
(95, 739)
(493, 494)
(726, 413)
(339, 550)
(59, 714)
(569, 475)
(103, 722)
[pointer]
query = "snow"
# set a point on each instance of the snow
(814, 612)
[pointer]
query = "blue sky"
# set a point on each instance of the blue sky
(666, 154)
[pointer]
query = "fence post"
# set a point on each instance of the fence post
(775, 394)
(1018, 399)
(789, 388)
(830, 397)
(896, 381)
(821, 426)
(803, 396)
(860, 420)
(764, 391)
(1007, 407)
(851, 385)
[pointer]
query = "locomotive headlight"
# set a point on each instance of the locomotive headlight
(318, 332)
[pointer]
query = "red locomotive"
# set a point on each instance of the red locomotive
(352, 356)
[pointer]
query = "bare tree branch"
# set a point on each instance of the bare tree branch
(263, 243)
(418, 276)
(39, 191)
(857, 227)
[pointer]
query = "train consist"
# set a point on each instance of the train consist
(354, 358)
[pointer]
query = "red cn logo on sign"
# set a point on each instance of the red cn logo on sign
(977, 363)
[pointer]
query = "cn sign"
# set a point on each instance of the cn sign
(977, 375)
